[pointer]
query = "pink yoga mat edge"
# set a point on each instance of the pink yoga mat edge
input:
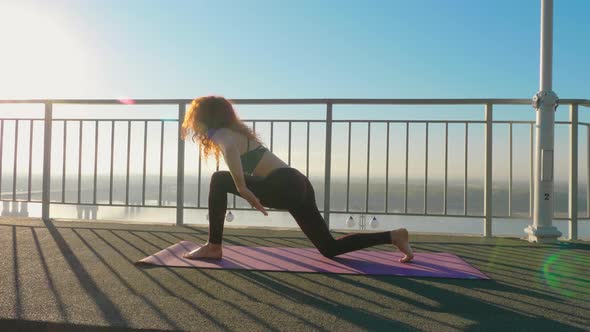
(309, 260)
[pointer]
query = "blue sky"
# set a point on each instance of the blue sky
(293, 49)
(303, 49)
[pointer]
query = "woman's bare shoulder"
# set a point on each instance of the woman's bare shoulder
(224, 131)
(224, 136)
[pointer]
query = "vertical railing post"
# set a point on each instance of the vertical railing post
(588, 171)
(328, 159)
(180, 169)
(46, 196)
(573, 179)
(488, 172)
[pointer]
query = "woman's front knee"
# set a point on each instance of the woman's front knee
(221, 182)
(220, 176)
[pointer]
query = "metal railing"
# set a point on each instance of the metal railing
(50, 123)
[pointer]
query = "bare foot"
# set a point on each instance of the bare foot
(208, 251)
(401, 239)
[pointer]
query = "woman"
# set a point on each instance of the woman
(262, 179)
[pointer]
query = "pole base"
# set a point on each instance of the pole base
(542, 234)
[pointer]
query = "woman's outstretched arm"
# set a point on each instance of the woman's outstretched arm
(224, 139)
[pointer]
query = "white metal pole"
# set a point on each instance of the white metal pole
(545, 102)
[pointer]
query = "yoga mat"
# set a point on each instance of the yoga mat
(369, 262)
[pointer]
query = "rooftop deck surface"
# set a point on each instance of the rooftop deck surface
(74, 275)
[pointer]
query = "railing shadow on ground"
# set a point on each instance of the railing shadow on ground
(502, 288)
(497, 287)
(27, 325)
(102, 260)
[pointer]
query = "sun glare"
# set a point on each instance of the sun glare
(40, 57)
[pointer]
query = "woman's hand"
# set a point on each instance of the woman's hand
(252, 199)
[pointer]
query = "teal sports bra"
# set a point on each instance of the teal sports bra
(250, 159)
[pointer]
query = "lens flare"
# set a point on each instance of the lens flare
(126, 101)
(563, 272)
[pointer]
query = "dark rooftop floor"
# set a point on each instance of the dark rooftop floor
(72, 275)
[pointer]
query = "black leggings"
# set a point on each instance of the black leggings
(286, 189)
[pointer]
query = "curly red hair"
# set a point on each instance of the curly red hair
(212, 112)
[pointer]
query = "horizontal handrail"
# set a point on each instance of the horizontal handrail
(334, 101)
(292, 120)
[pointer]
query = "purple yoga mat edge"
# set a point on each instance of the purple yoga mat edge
(483, 276)
(487, 277)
